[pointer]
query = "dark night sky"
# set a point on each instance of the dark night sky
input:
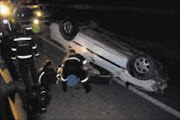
(134, 3)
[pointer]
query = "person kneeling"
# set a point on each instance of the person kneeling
(72, 71)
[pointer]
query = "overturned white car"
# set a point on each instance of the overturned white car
(109, 52)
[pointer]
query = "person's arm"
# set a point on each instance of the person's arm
(85, 81)
(82, 59)
(1, 37)
(58, 75)
(35, 50)
(13, 50)
(1, 40)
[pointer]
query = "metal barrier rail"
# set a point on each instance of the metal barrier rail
(9, 109)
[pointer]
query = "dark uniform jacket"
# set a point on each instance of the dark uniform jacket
(1, 36)
(23, 48)
(1, 40)
(5, 44)
(46, 77)
(73, 64)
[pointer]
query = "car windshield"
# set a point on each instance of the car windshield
(23, 14)
(29, 2)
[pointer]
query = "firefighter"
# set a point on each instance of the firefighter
(6, 35)
(47, 75)
(73, 65)
(24, 48)
(1, 40)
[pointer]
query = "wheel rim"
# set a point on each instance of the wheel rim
(142, 65)
(68, 27)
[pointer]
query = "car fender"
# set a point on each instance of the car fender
(57, 36)
(87, 43)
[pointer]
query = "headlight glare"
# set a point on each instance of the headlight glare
(39, 14)
(4, 10)
(36, 21)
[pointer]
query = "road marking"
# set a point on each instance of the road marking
(136, 91)
(151, 99)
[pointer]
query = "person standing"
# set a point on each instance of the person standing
(6, 39)
(24, 48)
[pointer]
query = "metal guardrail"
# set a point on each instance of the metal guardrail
(9, 109)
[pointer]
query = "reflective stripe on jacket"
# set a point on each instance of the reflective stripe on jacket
(23, 48)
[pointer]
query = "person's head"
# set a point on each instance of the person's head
(48, 63)
(19, 30)
(71, 51)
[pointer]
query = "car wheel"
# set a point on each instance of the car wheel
(68, 28)
(142, 67)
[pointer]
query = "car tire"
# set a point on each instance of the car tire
(142, 67)
(68, 28)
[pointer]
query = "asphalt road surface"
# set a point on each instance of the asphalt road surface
(105, 101)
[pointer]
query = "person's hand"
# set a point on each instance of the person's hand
(37, 55)
(58, 77)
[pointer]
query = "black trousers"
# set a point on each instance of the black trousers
(26, 66)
